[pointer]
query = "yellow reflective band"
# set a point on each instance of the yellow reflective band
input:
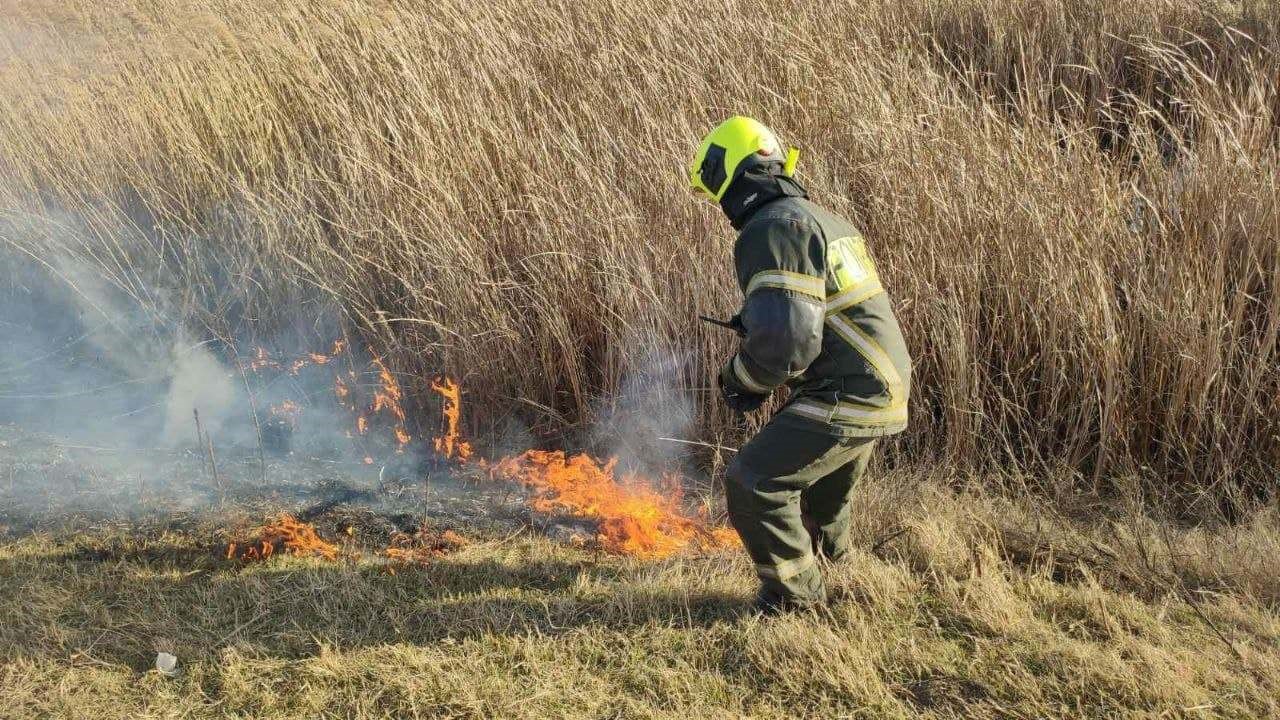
(854, 296)
(853, 273)
(793, 159)
(786, 569)
(850, 264)
(869, 349)
(805, 284)
(823, 412)
(744, 376)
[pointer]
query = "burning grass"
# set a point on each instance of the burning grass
(291, 536)
(635, 517)
(424, 545)
(634, 514)
(284, 534)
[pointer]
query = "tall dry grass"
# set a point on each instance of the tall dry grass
(1075, 202)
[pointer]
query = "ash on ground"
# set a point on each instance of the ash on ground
(49, 484)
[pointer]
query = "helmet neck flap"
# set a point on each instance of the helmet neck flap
(756, 187)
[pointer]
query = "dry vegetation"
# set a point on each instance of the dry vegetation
(1076, 204)
(959, 606)
(1075, 201)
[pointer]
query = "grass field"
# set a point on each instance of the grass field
(1074, 203)
(957, 605)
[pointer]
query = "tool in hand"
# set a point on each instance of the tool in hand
(735, 324)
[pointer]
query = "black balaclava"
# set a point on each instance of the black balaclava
(755, 187)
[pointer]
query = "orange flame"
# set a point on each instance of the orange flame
(633, 516)
(261, 359)
(289, 534)
(288, 411)
(451, 445)
(386, 401)
(423, 545)
(388, 398)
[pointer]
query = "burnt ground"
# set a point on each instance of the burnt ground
(54, 485)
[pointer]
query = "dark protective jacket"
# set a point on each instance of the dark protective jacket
(816, 316)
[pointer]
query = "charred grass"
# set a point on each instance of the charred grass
(955, 605)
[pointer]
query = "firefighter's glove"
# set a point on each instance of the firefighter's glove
(739, 400)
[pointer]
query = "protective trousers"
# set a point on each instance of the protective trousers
(788, 493)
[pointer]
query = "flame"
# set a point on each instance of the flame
(450, 445)
(635, 515)
(635, 518)
(387, 398)
(261, 359)
(289, 534)
(287, 411)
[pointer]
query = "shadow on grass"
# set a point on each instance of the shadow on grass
(122, 612)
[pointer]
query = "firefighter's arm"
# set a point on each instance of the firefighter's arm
(781, 268)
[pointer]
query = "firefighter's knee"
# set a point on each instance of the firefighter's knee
(740, 481)
(740, 489)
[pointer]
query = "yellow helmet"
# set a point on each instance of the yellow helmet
(733, 146)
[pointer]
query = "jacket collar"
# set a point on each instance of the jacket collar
(754, 189)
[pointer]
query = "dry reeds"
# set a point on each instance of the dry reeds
(1074, 202)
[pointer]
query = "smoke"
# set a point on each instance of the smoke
(81, 357)
(103, 346)
(652, 406)
(104, 355)
(198, 380)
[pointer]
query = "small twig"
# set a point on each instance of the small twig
(195, 412)
(700, 444)
(426, 494)
(253, 409)
(888, 539)
(240, 627)
(213, 463)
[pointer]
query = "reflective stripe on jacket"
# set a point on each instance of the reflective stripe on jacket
(818, 319)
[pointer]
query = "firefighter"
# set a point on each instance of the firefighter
(816, 318)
